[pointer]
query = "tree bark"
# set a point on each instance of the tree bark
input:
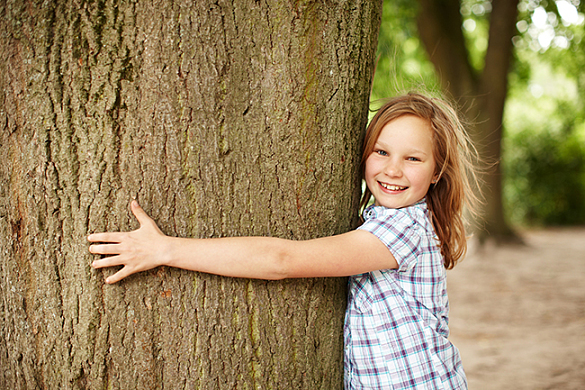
(223, 119)
(481, 94)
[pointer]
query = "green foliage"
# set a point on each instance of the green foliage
(402, 64)
(544, 145)
(475, 29)
(544, 152)
(545, 178)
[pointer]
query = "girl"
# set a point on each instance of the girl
(415, 164)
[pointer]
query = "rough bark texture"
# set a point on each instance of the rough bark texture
(222, 119)
(481, 94)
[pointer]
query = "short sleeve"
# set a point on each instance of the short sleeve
(398, 231)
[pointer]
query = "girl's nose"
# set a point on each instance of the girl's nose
(393, 168)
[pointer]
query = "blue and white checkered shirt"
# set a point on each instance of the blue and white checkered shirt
(396, 320)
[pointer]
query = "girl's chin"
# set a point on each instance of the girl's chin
(393, 203)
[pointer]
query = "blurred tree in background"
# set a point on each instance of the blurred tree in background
(480, 87)
(528, 62)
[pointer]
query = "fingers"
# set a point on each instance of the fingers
(107, 262)
(121, 274)
(105, 249)
(110, 262)
(106, 237)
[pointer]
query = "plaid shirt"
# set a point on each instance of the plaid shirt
(396, 320)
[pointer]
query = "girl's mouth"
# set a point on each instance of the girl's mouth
(392, 187)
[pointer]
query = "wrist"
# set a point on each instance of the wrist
(167, 251)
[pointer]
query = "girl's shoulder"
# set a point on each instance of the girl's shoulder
(406, 232)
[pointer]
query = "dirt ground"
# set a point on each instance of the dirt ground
(518, 313)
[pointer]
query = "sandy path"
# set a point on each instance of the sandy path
(518, 313)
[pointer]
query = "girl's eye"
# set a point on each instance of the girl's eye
(413, 159)
(381, 152)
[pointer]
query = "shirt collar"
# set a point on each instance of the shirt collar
(374, 211)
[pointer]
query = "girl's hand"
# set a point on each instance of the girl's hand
(136, 251)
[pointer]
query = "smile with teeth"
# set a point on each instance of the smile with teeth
(392, 187)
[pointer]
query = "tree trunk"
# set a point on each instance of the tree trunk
(492, 91)
(223, 119)
(481, 94)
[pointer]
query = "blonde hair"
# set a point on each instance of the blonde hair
(455, 159)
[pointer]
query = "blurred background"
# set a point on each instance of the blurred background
(515, 69)
(542, 128)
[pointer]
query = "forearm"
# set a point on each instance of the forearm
(245, 257)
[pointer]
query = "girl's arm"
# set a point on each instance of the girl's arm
(346, 254)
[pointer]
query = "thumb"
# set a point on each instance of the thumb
(140, 214)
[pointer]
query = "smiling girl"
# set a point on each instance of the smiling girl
(416, 164)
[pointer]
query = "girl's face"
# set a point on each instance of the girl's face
(401, 167)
